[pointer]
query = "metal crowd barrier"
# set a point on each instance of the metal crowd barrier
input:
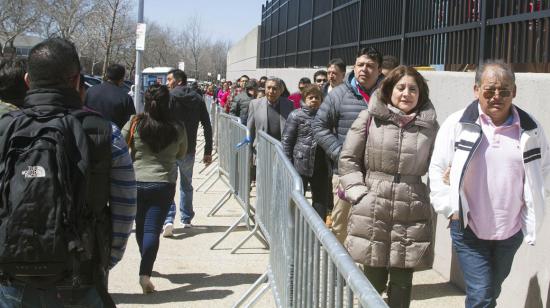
(308, 267)
(214, 166)
(238, 175)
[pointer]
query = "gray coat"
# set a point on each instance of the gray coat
(239, 106)
(338, 111)
(391, 222)
(257, 115)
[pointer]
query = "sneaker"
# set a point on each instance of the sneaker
(168, 230)
(186, 225)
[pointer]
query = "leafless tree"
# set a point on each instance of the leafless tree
(196, 41)
(16, 18)
(65, 18)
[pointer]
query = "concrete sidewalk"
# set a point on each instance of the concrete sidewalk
(188, 274)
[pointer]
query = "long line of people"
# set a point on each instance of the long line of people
(361, 140)
(373, 133)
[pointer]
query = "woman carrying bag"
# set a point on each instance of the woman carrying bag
(387, 150)
(155, 141)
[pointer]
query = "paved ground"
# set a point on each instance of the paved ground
(188, 274)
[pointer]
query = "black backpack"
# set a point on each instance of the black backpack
(46, 229)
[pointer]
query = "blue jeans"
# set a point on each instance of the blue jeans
(484, 263)
(19, 295)
(185, 167)
(153, 202)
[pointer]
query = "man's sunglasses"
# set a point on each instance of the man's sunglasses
(320, 80)
(488, 94)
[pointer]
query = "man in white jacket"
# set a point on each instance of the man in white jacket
(489, 175)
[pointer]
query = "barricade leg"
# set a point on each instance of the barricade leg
(225, 197)
(230, 229)
(249, 292)
(255, 232)
(208, 179)
(212, 165)
(212, 184)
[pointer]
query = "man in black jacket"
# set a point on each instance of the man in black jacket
(190, 109)
(109, 99)
(338, 111)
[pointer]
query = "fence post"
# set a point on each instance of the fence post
(403, 31)
(482, 31)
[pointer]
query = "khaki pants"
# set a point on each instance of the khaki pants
(340, 213)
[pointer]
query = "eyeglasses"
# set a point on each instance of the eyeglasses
(488, 94)
(320, 80)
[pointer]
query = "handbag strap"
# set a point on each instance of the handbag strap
(133, 126)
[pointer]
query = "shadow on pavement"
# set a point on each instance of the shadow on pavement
(188, 291)
(428, 291)
(182, 233)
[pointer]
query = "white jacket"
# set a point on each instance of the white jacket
(457, 140)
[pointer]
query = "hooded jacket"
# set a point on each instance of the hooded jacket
(336, 114)
(189, 107)
(391, 222)
(298, 142)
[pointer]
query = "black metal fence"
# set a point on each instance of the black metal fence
(307, 33)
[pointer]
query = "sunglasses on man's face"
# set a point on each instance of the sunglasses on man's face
(490, 93)
(320, 80)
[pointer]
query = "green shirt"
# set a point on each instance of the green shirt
(156, 167)
(6, 107)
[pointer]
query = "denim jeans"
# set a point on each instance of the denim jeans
(153, 202)
(185, 167)
(19, 295)
(484, 263)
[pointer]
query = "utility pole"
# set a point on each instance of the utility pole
(139, 54)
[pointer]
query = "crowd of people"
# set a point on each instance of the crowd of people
(360, 139)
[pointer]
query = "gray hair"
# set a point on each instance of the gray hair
(501, 67)
(277, 80)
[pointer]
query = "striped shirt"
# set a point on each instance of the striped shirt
(122, 200)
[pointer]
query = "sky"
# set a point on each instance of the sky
(221, 19)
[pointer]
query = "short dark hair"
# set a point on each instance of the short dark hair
(53, 63)
(246, 76)
(372, 54)
(12, 80)
(264, 78)
(320, 72)
(389, 62)
(312, 89)
(393, 78)
(179, 75)
(339, 63)
(304, 80)
(251, 84)
(115, 72)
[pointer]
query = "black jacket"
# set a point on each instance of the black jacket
(189, 107)
(98, 132)
(111, 101)
(298, 141)
(336, 115)
(239, 106)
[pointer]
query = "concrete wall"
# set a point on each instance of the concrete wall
(242, 58)
(528, 283)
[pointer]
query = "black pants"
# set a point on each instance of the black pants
(320, 183)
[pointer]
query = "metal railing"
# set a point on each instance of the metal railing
(308, 267)
(307, 33)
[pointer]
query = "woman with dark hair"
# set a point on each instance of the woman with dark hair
(155, 141)
(386, 151)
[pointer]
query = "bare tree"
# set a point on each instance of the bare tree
(64, 18)
(196, 41)
(16, 18)
(113, 7)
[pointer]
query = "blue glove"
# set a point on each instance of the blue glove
(246, 140)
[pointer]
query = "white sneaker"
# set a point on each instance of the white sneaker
(168, 230)
(186, 225)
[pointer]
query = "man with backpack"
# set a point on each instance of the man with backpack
(67, 190)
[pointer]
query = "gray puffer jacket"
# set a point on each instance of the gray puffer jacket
(298, 142)
(391, 222)
(338, 111)
(239, 106)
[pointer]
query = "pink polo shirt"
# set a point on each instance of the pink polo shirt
(493, 183)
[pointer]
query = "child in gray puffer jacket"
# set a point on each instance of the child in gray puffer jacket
(301, 148)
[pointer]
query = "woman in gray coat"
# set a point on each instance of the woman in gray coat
(386, 151)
